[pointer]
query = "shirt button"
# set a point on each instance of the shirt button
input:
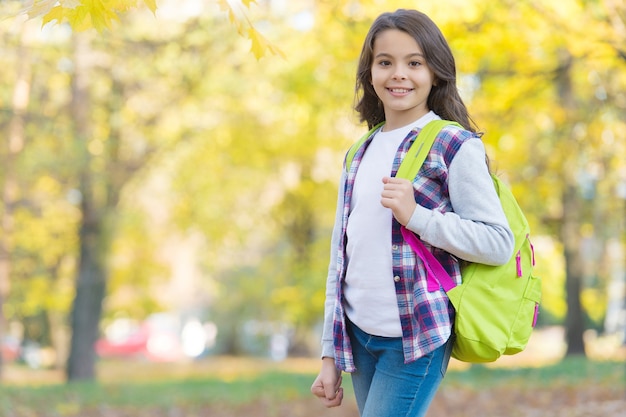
(394, 247)
(396, 278)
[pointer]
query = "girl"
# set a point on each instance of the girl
(381, 324)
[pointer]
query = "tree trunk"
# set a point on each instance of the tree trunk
(14, 145)
(572, 215)
(91, 280)
(100, 190)
(570, 236)
(90, 292)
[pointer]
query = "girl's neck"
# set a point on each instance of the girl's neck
(397, 123)
(400, 120)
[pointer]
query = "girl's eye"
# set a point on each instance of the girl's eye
(384, 63)
(414, 64)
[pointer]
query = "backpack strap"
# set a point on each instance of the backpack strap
(355, 147)
(436, 275)
(416, 154)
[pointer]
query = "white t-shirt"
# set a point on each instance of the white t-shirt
(369, 289)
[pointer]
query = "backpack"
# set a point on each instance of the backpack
(496, 306)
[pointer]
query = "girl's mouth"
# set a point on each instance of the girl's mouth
(399, 90)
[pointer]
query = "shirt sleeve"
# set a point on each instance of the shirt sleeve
(477, 229)
(328, 349)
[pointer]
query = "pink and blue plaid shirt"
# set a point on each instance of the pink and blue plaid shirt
(426, 317)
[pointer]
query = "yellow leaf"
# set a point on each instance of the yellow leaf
(70, 4)
(232, 17)
(85, 14)
(57, 13)
(223, 5)
(101, 16)
(40, 8)
(260, 45)
(276, 51)
(151, 5)
(121, 5)
(78, 18)
(247, 3)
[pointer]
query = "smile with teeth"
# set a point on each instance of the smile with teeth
(400, 90)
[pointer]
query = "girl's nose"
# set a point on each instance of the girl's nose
(399, 75)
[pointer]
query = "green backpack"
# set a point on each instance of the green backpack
(496, 306)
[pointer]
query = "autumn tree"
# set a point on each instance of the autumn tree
(102, 160)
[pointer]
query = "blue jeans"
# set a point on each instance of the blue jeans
(384, 385)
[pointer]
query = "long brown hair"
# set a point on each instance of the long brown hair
(444, 98)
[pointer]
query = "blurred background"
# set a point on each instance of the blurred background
(168, 178)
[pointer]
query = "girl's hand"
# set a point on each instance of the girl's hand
(327, 385)
(398, 195)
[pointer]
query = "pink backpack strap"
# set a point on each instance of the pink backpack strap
(436, 274)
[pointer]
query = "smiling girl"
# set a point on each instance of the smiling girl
(381, 324)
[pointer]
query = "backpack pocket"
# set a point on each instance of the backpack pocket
(526, 318)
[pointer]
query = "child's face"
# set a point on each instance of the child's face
(400, 77)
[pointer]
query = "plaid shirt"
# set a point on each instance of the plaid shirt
(426, 317)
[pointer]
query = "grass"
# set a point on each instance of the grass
(569, 372)
(231, 382)
(269, 386)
